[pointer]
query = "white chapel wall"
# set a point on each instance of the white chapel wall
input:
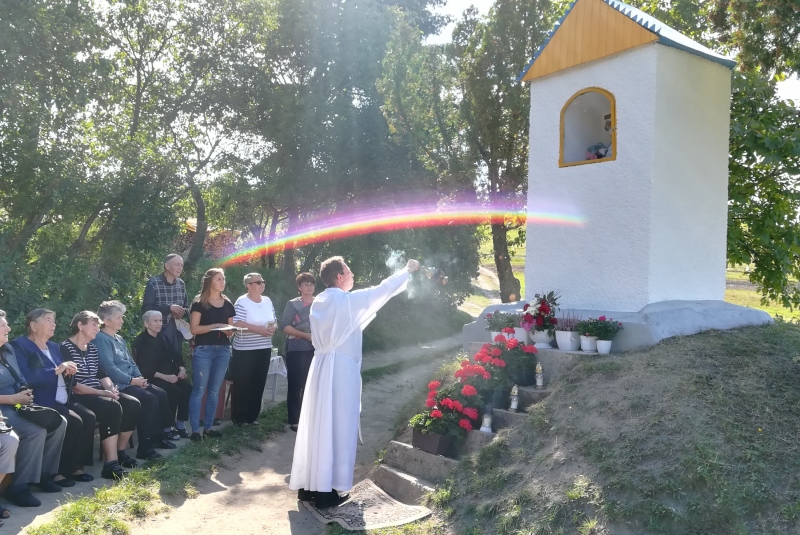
(604, 264)
(690, 186)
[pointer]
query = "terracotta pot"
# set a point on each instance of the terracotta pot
(432, 443)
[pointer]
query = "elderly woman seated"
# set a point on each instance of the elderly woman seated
(115, 412)
(38, 449)
(49, 375)
(155, 421)
(162, 366)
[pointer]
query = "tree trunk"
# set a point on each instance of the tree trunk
(273, 230)
(509, 285)
(288, 251)
(311, 257)
(199, 238)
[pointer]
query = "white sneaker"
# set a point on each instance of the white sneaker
(184, 329)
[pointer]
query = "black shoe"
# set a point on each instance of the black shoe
(293, 428)
(164, 444)
(183, 433)
(324, 500)
(217, 421)
(22, 498)
(196, 437)
(53, 486)
(80, 478)
(212, 434)
(149, 455)
(304, 495)
(113, 471)
(125, 460)
(172, 434)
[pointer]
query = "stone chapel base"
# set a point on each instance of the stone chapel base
(650, 325)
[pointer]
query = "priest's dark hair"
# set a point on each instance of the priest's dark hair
(330, 269)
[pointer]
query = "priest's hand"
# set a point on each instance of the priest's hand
(412, 266)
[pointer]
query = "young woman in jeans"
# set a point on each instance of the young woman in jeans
(210, 311)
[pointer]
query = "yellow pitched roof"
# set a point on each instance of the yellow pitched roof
(593, 29)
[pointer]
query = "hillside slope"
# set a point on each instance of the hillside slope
(697, 435)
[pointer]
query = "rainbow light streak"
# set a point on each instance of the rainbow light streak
(372, 220)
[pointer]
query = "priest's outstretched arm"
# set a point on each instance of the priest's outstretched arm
(364, 304)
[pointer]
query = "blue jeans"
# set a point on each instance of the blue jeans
(209, 364)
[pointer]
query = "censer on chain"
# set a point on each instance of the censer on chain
(434, 275)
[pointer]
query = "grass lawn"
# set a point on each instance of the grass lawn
(752, 299)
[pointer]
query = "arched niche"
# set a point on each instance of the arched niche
(588, 120)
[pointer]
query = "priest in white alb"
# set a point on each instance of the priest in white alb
(327, 435)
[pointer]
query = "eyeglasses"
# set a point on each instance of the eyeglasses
(256, 282)
(307, 284)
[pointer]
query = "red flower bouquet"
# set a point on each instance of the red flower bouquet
(540, 313)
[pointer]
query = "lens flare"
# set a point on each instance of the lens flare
(398, 217)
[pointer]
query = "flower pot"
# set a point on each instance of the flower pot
(568, 340)
(604, 347)
(541, 339)
(588, 343)
(432, 443)
(500, 398)
(524, 376)
(494, 334)
(520, 334)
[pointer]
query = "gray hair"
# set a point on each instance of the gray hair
(147, 316)
(82, 318)
(108, 308)
(35, 315)
(249, 277)
(2, 313)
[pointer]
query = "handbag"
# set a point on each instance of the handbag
(44, 417)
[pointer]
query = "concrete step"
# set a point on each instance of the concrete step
(502, 419)
(475, 440)
(418, 463)
(530, 395)
(555, 362)
(400, 485)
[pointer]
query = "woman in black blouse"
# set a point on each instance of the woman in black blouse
(160, 364)
(116, 413)
(211, 311)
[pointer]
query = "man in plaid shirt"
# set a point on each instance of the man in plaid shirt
(166, 293)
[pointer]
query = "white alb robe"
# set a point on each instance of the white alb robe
(327, 434)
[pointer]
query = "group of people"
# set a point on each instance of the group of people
(53, 396)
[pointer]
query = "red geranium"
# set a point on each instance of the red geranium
(512, 344)
(456, 406)
(465, 424)
(500, 338)
(496, 352)
(433, 385)
(601, 318)
(530, 349)
(430, 402)
(469, 390)
(500, 363)
(472, 413)
(436, 414)
(486, 347)
(539, 321)
(507, 330)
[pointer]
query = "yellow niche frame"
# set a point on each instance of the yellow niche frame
(615, 149)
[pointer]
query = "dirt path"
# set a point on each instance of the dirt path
(249, 495)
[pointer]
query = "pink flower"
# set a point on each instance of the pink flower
(465, 424)
(468, 390)
(500, 363)
(471, 413)
(436, 414)
(433, 385)
(500, 338)
(601, 318)
(488, 316)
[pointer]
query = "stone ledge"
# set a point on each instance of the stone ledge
(502, 419)
(418, 463)
(475, 441)
(401, 486)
